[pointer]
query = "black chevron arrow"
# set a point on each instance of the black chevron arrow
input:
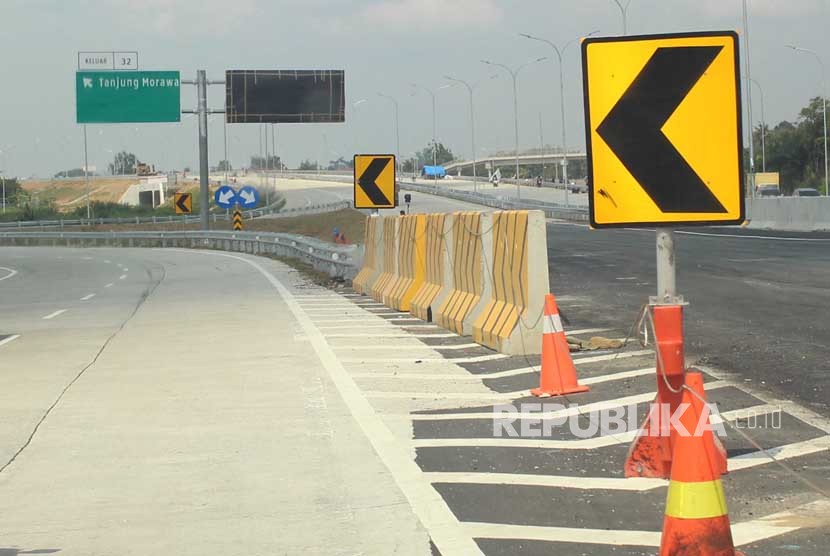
(369, 176)
(633, 129)
(181, 202)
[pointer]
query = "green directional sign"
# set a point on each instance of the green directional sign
(105, 97)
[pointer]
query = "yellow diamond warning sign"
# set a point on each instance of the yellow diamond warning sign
(663, 126)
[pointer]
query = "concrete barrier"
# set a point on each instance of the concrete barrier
(511, 321)
(372, 258)
(797, 214)
(411, 263)
(438, 276)
(470, 283)
(390, 258)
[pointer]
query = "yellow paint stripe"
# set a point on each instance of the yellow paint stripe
(702, 500)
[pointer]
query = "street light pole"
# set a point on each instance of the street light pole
(472, 126)
(86, 177)
(749, 100)
(559, 55)
(624, 12)
(434, 141)
(824, 108)
(515, 75)
(763, 127)
(397, 128)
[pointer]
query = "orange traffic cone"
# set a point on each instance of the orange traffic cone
(696, 521)
(558, 371)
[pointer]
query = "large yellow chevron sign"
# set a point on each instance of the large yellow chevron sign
(663, 126)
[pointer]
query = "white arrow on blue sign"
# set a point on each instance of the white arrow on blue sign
(247, 197)
(225, 197)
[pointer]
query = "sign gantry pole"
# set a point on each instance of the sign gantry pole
(204, 187)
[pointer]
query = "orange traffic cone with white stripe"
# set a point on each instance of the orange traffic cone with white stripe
(696, 521)
(558, 371)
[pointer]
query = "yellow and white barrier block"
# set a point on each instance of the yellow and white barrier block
(438, 275)
(390, 258)
(411, 261)
(372, 256)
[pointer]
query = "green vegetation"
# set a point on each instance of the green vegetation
(443, 155)
(73, 173)
(307, 165)
(123, 163)
(272, 162)
(794, 149)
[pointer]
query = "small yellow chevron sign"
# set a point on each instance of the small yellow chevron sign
(237, 220)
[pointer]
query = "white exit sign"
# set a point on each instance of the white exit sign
(103, 61)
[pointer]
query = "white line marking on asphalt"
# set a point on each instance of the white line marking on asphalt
(9, 340)
(585, 331)
(410, 346)
(637, 484)
(109, 285)
(398, 335)
(107, 261)
(11, 272)
(375, 323)
(362, 321)
(562, 534)
(50, 316)
(481, 377)
(617, 376)
(87, 297)
(576, 360)
(438, 520)
(786, 451)
(448, 395)
(122, 276)
(560, 413)
(425, 360)
(773, 525)
(126, 269)
(437, 375)
(626, 278)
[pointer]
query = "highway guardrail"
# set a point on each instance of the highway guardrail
(336, 260)
(272, 212)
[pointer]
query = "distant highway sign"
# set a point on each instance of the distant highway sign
(104, 61)
(285, 96)
(140, 96)
(663, 121)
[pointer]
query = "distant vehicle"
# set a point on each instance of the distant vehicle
(143, 169)
(806, 192)
(768, 191)
(434, 172)
(577, 188)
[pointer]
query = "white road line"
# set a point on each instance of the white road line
(442, 375)
(123, 276)
(374, 323)
(559, 413)
(617, 376)
(438, 520)
(591, 443)
(776, 524)
(576, 360)
(11, 272)
(9, 340)
(448, 395)
(370, 335)
(562, 534)
(636, 484)
(109, 285)
(787, 451)
(408, 347)
(55, 314)
(425, 360)
(88, 297)
(361, 322)
(126, 269)
(585, 331)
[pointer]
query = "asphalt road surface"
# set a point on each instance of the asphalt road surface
(758, 300)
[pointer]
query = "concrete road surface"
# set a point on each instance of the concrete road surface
(183, 402)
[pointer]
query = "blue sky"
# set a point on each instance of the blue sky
(383, 45)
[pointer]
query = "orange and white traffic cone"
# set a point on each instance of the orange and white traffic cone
(558, 371)
(696, 521)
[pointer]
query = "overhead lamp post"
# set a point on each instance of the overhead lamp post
(470, 89)
(397, 127)
(763, 126)
(434, 123)
(514, 73)
(560, 52)
(824, 107)
(623, 6)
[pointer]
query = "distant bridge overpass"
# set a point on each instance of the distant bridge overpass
(508, 160)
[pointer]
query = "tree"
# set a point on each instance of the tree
(273, 162)
(340, 164)
(224, 166)
(307, 165)
(123, 163)
(442, 155)
(73, 173)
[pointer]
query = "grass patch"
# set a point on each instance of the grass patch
(319, 226)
